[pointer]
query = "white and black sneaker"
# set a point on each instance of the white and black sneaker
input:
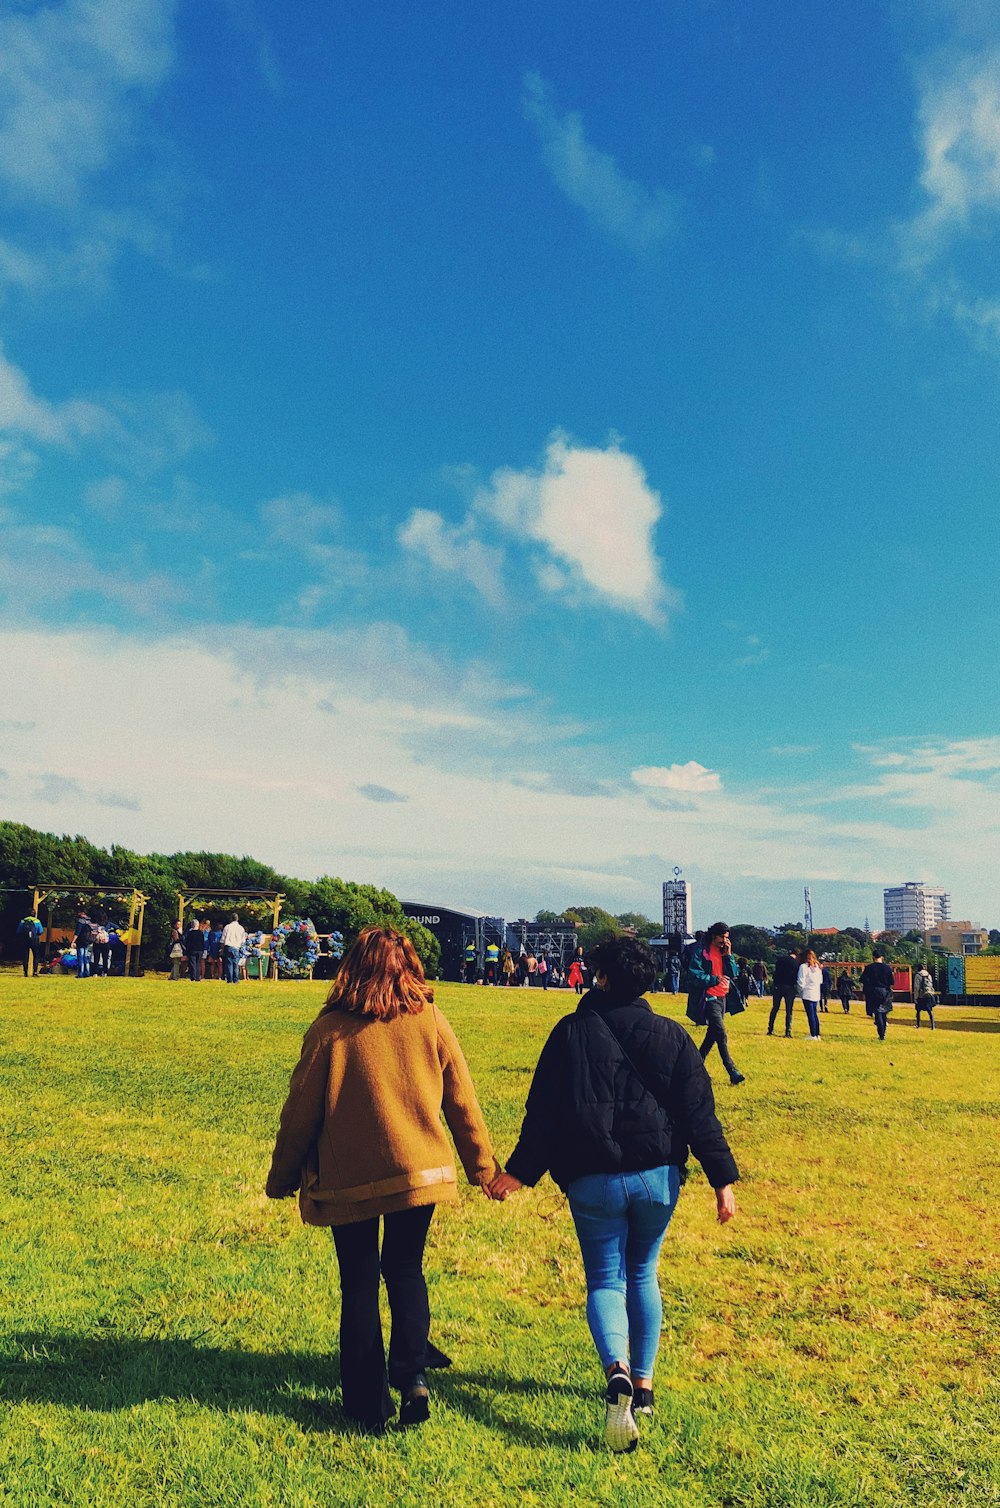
(642, 1402)
(620, 1428)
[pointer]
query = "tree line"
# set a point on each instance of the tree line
(29, 857)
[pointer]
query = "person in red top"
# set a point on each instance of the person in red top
(713, 992)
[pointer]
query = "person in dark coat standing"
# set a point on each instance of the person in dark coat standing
(845, 989)
(825, 989)
(618, 1097)
(194, 949)
(83, 940)
(877, 981)
(786, 975)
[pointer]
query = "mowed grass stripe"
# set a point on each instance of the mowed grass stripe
(168, 1336)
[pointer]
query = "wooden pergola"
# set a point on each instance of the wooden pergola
(185, 898)
(274, 898)
(49, 894)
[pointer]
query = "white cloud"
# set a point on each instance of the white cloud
(45, 566)
(143, 432)
(959, 135)
(455, 551)
(313, 732)
(756, 652)
(793, 751)
(692, 777)
(588, 517)
(67, 74)
(23, 413)
(19, 268)
(642, 218)
(73, 76)
(958, 138)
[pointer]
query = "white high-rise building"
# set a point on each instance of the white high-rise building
(677, 908)
(915, 906)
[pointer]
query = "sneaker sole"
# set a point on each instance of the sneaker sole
(620, 1429)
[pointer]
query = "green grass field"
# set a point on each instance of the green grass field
(169, 1336)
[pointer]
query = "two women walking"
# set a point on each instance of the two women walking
(618, 1098)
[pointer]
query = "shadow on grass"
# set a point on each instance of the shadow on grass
(106, 1373)
(944, 1025)
(500, 1403)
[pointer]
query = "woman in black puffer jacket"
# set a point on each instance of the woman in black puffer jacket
(618, 1097)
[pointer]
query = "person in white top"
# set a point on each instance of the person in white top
(809, 988)
(233, 938)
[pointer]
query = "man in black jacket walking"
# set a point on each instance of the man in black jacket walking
(786, 974)
(877, 980)
(618, 1097)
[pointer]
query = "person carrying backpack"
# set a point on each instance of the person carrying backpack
(924, 998)
(29, 934)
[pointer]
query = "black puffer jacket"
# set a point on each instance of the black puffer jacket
(589, 1112)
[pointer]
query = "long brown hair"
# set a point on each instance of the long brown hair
(380, 976)
(809, 957)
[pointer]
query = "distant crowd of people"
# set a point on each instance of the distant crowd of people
(527, 970)
(98, 948)
(719, 985)
(204, 950)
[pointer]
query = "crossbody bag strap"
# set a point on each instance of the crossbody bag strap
(621, 1048)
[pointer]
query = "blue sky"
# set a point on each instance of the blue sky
(506, 451)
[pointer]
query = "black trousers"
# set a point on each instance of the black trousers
(364, 1382)
(715, 1016)
(788, 996)
(881, 1017)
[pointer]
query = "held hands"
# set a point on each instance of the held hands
(502, 1185)
(725, 1201)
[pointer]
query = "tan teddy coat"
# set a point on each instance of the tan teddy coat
(361, 1131)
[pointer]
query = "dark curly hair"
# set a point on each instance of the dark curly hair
(627, 963)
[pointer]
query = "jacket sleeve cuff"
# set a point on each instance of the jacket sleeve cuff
(521, 1168)
(721, 1173)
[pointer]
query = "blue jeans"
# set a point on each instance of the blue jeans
(83, 962)
(812, 1016)
(231, 965)
(620, 1220)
